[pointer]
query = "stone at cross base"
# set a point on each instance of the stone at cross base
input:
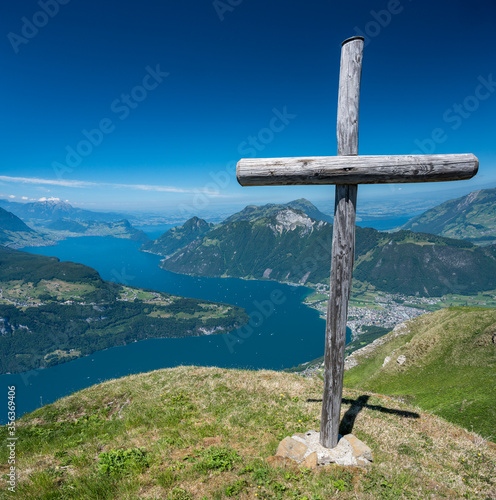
(306, 450)
(346, 171)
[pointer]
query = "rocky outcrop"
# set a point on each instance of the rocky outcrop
(353, 359)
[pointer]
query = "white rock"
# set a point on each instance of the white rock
(342, 454)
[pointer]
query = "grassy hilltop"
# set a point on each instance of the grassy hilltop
(205, 433)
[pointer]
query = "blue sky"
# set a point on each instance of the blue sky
(148, 105)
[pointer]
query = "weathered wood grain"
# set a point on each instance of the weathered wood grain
(356, 169)
(343, 244)
(350, 74)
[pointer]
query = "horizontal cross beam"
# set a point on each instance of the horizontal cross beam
(356, 169)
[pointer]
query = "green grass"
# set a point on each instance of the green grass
(17, 290)
(205, 433)
(450, 367)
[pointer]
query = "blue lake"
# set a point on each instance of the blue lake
(384, 224)
(281, 336)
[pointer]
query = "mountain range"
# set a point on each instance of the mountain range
(54, 220)
(177, 237)
(471, 217)
(301, 204)
(49, 210)
(285, 244)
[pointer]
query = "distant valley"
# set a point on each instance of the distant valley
(396, 277)
(67, 228)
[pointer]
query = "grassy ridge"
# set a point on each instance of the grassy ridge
(450, 367)
(205, 433)
(471, 217)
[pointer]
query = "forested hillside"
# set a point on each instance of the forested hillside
(52, 311)
(281, 243)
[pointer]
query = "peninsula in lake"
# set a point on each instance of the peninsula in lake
(52, 311)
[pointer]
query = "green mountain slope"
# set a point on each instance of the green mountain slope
(207, 433)
(271, 243)
(10, 222)
(15, 234)
(449, 366)
(428, 265)
(281, 243)
(52, 311)
(471, 217)
(178, 237)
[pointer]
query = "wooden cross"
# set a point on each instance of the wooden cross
(346, 171)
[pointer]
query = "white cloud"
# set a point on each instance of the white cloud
(24, 198)
(87, 184)
(11, 196)
(48, 199)
(51, 182)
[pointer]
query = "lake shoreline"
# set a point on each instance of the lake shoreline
(282, 337)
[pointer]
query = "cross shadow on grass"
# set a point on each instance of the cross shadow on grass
(356, 406)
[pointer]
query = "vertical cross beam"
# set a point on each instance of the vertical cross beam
(343, 243)
(347, 171)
